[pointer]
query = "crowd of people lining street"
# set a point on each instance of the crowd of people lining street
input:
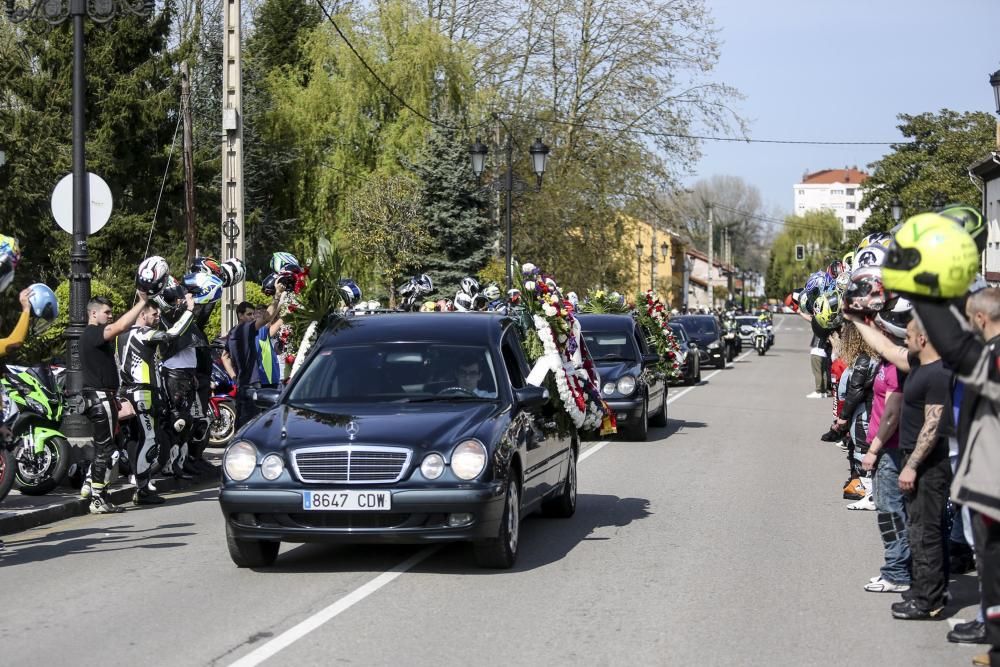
(906, 340)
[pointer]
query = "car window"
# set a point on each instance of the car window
(609, 346)
(380, 372)
(512, 360)
(701, 326)
(679, 331)
(641, 337)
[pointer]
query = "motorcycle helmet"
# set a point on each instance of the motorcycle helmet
(874, 239)
(514, 295)
(932, 255)
(373, 306)
(350, 291)
(171, 295)
(463, 301)
(865, 293)
(873, 255)
(971, 220)
(848, 261)
(826, 310)
(268, 284)
(286, 279)
(206, 265)
(205, 287)
(238, 270)
(491, 292)
(151, 276)
(284, 261)
(573, 299)
(469, 285)
(425, 283)
(843, 280)
(835, 268)
(894, 317)
(43, 302)
(817, 283)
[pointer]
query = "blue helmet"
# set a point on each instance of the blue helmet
(350, 291)
(43, 302)
(206, 287)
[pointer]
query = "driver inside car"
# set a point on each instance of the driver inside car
(467, 377)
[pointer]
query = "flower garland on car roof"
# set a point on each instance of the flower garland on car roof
(654, 316)
(561, 359)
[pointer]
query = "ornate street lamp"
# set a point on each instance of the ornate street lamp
(478, 152)
(638, 266)
(57, 12)
(539, 156)
(663, 250)
(995, 82)
(897, 210)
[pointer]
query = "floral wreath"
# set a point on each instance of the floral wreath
(560, 356)
(654, 317)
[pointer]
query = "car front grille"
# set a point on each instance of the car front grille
(351, 464)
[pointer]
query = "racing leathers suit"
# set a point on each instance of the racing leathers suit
(140, 382)
(857, 407)
(187, 400)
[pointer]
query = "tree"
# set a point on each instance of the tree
(932, 166)
(821, 232)
(386, 228)
(461, 237)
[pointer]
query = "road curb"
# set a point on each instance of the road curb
(70, 506)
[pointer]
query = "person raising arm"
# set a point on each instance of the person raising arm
(20, 331)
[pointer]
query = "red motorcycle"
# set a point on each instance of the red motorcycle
(222, 407)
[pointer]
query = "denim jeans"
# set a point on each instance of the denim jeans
(891, 514)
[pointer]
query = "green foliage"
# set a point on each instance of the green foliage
(785, 274)
(493, 272)
(600, 301)
(386, 228)
(253, 294)
(932, 166)
(322, 294)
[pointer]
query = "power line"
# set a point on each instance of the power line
(764, 218)
(382, 83)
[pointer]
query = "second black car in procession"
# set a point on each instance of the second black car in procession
(407, 427)
(707, 333)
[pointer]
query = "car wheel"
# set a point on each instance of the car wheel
(563, 506)
(721, 363)
(251, 553)
(641, 429)
(697, 377)
(660, 418)
(501, 551)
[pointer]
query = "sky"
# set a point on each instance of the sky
(842, 71)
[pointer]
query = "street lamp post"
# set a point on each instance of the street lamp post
(897, 210)
(995, 82)
(508, 185)
(638, 266)
(57, 12)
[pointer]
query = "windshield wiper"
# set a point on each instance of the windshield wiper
(613, 357)
(430, 399)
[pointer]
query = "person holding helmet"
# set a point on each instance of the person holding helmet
(244, 354)
(100, 383)
(935, 265)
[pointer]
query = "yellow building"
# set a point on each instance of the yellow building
(658, 261)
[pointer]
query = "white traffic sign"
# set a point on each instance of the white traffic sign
(100, 203)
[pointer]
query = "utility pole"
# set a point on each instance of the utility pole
(188, 150)
(652, 262)
(233, 231)
(711, 293)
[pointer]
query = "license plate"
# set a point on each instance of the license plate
(354, 501)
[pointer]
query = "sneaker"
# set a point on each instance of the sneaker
(86, 491)
(101, 505)
(973, 632)
(865, 503)
(880, 585)
(815, 394)
(147, 497)
(981, 660)
(909, 610)
(854, 490)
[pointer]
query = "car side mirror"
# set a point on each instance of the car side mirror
(650, 359)
(531, 396)
(693, 344)
(266, 398)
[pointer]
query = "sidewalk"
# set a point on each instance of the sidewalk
(19, 512)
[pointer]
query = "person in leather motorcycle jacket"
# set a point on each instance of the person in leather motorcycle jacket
(852, 421)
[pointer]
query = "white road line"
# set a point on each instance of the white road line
(706, 378)
(297, 632)
(293, 634)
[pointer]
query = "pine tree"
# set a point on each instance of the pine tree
(462, 237)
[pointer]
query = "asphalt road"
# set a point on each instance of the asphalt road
(721, 541)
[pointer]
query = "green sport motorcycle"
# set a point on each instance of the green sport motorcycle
(37, 453)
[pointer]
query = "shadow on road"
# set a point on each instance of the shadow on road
(676, 425)
(94, 540)
(543, 541)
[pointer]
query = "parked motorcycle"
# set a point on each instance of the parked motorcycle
(222, 406)
(37, 453)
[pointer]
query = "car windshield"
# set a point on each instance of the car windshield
(679, 331)
(701, 326)
(396, 372)
(609, 346)
(746, 321)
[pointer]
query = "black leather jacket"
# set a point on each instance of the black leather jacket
(859, 393)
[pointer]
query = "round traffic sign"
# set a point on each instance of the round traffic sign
(100, 203)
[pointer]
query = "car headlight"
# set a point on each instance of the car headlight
(432, 466)
(608, 389)
(468, 459)
(272, 466)
(713, 346)
(626, 385)
(240, 460)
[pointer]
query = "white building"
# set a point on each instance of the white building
(988, 170)
(837, 190)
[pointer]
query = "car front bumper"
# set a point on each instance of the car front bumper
(627, 409)
(712, 357)
(417, 516)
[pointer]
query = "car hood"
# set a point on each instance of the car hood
(611, 371)
(421, 426)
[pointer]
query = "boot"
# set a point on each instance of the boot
(854, 490)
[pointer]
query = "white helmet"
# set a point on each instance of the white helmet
(233, 272)
(894, 317)
(470, 285)
(463, 301)
(872, 255)
(152, 275)
(491, 292)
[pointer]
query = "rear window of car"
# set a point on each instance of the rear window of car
(701, 326)
(609, 346)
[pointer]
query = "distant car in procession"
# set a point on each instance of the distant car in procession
(690, 354)
(706, 332)
(625, 363)
(400, 428)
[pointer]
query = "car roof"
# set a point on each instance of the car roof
(445, 327)
(605, 321)
(683, 318)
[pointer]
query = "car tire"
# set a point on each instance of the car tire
(721, 363)
(563, 506)
(697, 377)
(500, 552)
(640, 431)
(251, 553)
(660, 418)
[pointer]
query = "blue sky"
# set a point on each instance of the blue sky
(842, 71)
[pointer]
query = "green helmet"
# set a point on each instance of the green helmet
(931, 255)
(848, 261)
(971, 221)
(826, 310)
